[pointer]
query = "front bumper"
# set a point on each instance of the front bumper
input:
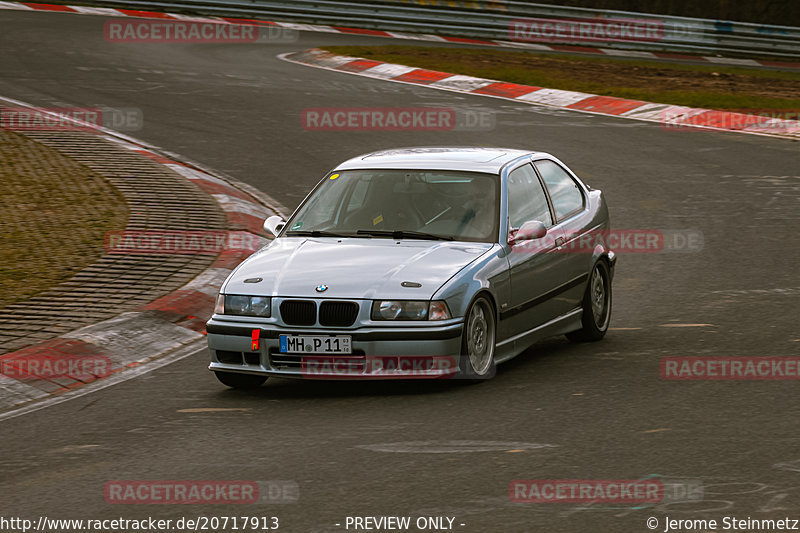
(398, 352)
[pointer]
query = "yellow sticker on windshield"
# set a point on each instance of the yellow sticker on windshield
(334, 176)
(377, 220)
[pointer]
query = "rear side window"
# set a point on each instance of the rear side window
(564, 192)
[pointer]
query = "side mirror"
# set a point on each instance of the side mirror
(274, 224)
(532, 229)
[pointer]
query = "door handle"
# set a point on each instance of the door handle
(559, 241)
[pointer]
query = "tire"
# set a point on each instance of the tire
(240, 381)
(478, 341)
(596, 306)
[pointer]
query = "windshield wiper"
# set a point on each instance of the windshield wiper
(403, 234)
(317, 233)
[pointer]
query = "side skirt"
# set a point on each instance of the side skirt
(513, 346)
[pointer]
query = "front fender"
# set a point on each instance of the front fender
(488, 273)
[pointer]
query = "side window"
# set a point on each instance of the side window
(526, 198)
(564, 192)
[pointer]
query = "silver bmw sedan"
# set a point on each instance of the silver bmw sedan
(424, 263)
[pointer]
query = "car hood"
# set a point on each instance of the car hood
(351, 267)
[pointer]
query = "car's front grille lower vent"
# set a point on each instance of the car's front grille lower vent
(252, 358)
(299, 312)
(235, 358)
(337, 314)
(318, 365)
(229, 358)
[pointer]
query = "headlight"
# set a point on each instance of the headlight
(409, 310)
(233, 304)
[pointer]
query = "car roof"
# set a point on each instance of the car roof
(475, 159)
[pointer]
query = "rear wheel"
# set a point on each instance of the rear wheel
(596, 306)
(478, 342)
(240, 381)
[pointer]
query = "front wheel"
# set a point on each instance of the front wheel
(240, 381)
(596, 306)
(478, 342)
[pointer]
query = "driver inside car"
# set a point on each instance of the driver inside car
(469, 214)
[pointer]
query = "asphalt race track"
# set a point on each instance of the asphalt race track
(602, 409)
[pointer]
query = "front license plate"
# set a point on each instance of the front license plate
(315, 344)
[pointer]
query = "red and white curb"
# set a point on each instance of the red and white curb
(576, 49)
(670, 116)
(172, 325)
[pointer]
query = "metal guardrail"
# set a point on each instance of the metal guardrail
(514, 22)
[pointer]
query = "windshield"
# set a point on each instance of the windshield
(409, 204)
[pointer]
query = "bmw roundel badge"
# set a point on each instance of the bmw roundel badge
(321, 288)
